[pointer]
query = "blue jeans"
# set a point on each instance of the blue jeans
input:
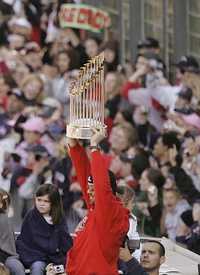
(38, 268)
(15, 266)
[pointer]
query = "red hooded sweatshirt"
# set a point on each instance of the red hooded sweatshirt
(96, 248)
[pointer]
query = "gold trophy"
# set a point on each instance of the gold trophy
(87, 96)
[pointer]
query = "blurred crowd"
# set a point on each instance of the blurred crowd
(153, 123)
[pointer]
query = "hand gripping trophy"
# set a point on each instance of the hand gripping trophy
(87, 96)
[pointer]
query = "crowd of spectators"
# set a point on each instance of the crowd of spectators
(153, 123)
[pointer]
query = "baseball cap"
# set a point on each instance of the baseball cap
(149, 42)
(34, 124)
(38, 149)
(186, 93)
(188, 63)
(21, 21)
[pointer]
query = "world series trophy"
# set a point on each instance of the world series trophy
(87, 96)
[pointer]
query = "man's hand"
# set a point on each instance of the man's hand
(98, 136)
(124, 254)
(71, 142)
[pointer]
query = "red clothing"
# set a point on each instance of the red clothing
(96, 247)
(128, 86)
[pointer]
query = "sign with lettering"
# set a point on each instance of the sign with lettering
(83, 17)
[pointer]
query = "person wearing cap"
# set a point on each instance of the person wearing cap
(32, 88)
(183, 102)
(16, 41)
(15, 103)
(33, 130)
(20, 26)
(187, 63)
(192, 238)
(149, 72)
(32, 56)
(149, 44)
(26, 178)
(127, 196)
(101, 233)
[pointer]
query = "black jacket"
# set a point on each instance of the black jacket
(131, 267)
(41, 241)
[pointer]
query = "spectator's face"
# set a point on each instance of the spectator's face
(19, 73)
(170, 200)
(33, 59)
(109, 55)
(14, 104)
(196, 212)
(144, 182)
(141, 62)
(110, 83)
(32, 89)
(63, 62)
(21, 30)
(43, 204)
(150, 257)
(31, 137)
(179, 75)
(140, 116)
(181, 103)
(159, 149)
(118, 139)
(125, 169)
(31, 159)
(91, 48)
(17, 43)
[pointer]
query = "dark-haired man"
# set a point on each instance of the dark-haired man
(153, 255)
(101, 233)
(167, 152)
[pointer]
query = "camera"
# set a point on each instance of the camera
(133, 245)
(58, 269)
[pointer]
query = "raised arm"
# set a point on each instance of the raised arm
(106, 204)
(82, 166)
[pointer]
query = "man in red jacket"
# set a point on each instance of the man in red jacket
(96, 245)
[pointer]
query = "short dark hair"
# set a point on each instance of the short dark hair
(161, 246)
(156, 177)
(52, 191)
(139, 164)
(170, 139)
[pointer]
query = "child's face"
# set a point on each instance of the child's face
(43, 204)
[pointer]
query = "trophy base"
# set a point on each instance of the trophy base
(78, 132)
